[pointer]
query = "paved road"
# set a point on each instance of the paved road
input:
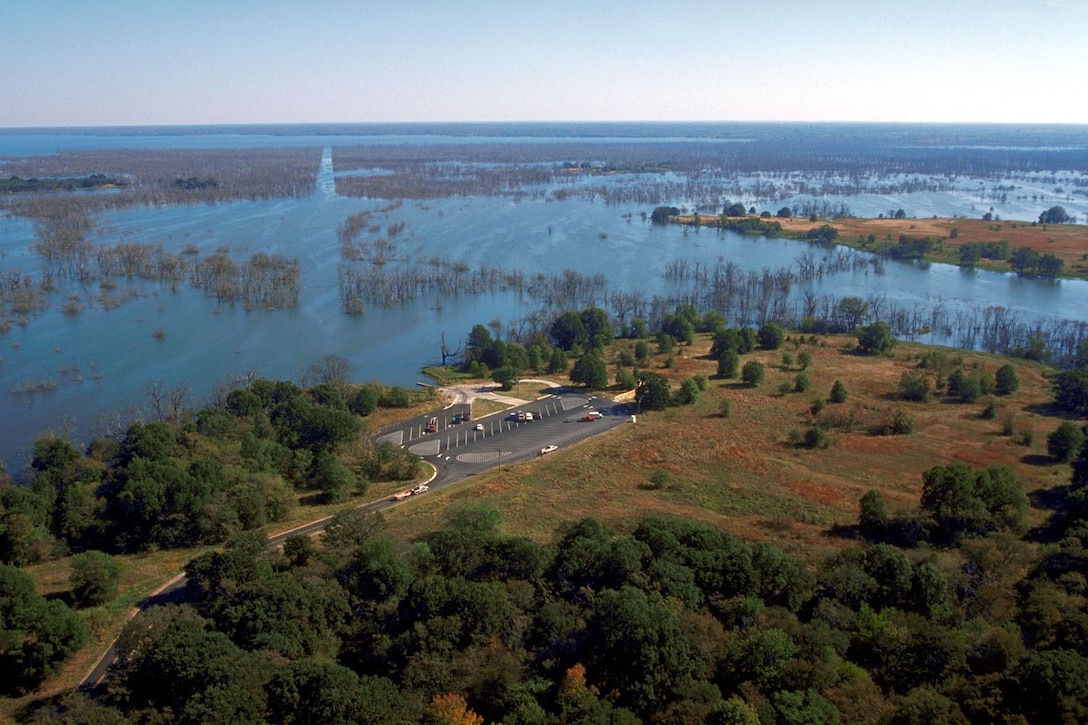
(457, 450)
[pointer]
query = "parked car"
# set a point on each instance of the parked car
(479, 427)
(548, 449)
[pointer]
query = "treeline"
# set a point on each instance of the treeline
(161, 177)
(674, 621)
(766, 167)
(15, 185)
(374, 273)
(198, 476)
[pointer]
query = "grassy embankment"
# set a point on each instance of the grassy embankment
(1068, 242)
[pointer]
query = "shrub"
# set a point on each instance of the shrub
(902, 423)
(728, 364)
(801, 383)
(818, 405)
(659, 478)
(838, 392)
(726, 408)
(1064, 442)
(752, 373)
(95, 578)
(990, 411)
(876, 339)
(914, 385)
(771, 336)
(1006, 380)
(815, 437)
(804, 359)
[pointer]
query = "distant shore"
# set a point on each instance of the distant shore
(1068, 242)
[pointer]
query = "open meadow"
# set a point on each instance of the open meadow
(741, 473)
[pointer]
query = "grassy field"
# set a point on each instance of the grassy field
(741, 472)
(1068, 242)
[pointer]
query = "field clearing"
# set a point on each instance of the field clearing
(742, 474)
(1068, 242)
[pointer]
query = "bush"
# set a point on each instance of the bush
(838, 392)
(771, 336)
(728, 364)
(818, 405)
(804, 359)
(815, 437)
(914, 385)
(659, 478)
(801, 383)
(752, 373)
(725, 409)
(876, 339)
(95, 578)
(1006, 380)
(1064, 442)
(902, 423)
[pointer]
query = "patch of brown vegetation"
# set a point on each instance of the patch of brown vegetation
(1068, 242)
(742, 474)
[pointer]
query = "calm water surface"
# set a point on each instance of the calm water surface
(98, 364)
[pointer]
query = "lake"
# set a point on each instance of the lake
(89, 373)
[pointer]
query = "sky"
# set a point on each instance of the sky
(152, 62)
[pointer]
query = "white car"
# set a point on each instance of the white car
(479, 427)
(548, 449)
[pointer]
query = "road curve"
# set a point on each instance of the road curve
(455, 452)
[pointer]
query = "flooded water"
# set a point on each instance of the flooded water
(88, 371)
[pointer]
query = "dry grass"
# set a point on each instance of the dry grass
(1068, 242)
(741, 474)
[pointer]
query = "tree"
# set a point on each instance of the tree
(597, 327)
(1054, 215)
(36, 635)
(1006, 381)
(969, 254)
(590, 371)
(874, 515)
(688, 393)
(771, 336)
(876, 339)
(1071, 391)
(506, 376)
(95, 578)
(568, 330)
(752, 373)
(1065, 442)
(914, 385)
(661, 214)
(628, 626)
(653, 392)
(838, 392)
(728, 363)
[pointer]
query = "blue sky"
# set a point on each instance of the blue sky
(135, 62)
